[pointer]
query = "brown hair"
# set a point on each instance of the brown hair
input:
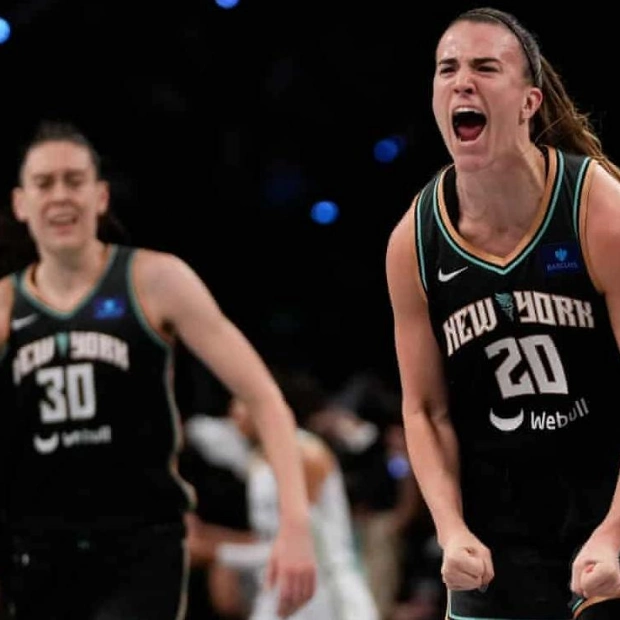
(17, 248)
(558, 122)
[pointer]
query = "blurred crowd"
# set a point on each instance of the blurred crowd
(360, 424)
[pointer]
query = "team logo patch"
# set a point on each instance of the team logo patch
(109, 307)
(561, 258)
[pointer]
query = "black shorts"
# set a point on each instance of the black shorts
(528, 585)
(140, 575)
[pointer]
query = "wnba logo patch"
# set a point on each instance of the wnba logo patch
(561, 258)
(108, 307)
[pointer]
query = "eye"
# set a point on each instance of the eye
(43, 183)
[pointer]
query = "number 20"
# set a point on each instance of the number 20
(544, 373)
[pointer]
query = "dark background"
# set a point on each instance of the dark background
(220, 128)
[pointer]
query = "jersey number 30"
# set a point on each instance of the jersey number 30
(69, 391)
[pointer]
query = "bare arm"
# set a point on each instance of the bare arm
(6, 305)
(176, 300)
(431, 442)
(601, 231)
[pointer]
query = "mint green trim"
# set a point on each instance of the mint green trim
(43, 307)
(453, 616)
(418, 242)
(531, 245)
(137, 308)
(577, 197)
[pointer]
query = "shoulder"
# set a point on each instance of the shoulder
(599, 226)
(401, 245)
(158, 269)
(317, 458)
(7, 295)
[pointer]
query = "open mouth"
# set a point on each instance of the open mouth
(468, 124)
(63, 219)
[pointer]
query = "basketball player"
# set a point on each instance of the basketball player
(503, 279)
(342, 591)
(94, 505)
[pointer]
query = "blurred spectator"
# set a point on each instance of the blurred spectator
(342, 591)
(363, 425)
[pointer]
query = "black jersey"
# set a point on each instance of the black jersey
(530, 358)
(95, 431)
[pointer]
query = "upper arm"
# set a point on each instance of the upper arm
(174, 297)
(600, 234)
(6, 305)
(419, 358)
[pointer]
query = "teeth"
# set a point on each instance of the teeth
(466, 109)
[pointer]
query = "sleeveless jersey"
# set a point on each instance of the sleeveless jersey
(95, 430)
(530, 358)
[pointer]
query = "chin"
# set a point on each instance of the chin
(65, 244)
(471, 161)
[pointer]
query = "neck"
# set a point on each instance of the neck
(60, 275)
(505, 194)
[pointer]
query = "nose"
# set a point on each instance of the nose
(59, 191)
(463, 81)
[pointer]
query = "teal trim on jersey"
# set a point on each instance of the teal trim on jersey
(577, 198)
(177, 434)
(580, 601)
(530, 246)
(43, 307)
(453, 616)
(137, 308)
(418, 240)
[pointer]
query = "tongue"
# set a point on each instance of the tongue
(469, 132)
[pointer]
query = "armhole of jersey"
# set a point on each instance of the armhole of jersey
(580, 216)
(136, 304)
(418, 245)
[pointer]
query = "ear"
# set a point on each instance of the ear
(532, 103)
(103, 198)
(17, 201)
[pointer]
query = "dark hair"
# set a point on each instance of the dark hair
(558, 122)
(302, 390)
(59, 131)
(17, 248)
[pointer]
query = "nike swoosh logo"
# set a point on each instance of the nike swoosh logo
(446, 277)
(507, 424)
(24, 321)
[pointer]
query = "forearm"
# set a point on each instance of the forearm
(611, 523)
(278, 434)
(433, 453)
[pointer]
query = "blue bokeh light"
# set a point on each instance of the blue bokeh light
(324, 212)
(227, 4)
(388, 149)
(5, 30)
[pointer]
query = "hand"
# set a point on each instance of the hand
(467, 563)
(292, 569)
(596, 569)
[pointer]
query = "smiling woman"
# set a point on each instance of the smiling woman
(88, 332)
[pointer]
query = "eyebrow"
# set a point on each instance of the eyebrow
(67, 171)
(475, 61)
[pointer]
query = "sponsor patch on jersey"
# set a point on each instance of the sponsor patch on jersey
(109, 307)
(561, 258)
